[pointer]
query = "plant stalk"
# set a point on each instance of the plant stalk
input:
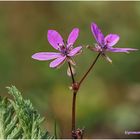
(73, 100)
(75, 87)
(90, 68)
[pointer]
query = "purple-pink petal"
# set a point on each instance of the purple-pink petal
(126, 50)
(54, 39)
(97, 34)
(57, 62)
(73, 36)
(42, 56)
(75, 51)
(111, 40)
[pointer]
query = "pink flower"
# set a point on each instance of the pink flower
(105, 44)
(66, 50)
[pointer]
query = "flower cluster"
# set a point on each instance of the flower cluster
(66, 51)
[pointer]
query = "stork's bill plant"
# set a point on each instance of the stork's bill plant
(19, 119)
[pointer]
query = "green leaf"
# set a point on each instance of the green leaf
(19, 119)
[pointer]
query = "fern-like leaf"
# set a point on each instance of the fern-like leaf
(19, 119)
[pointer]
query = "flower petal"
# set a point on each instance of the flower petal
(97, 34)
(126, 50)
(54, 39)
(111, 40)
(73, 36)
(75, 51)
(46, 56)
(57, 62)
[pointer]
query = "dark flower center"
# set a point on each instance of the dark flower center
(105, 47)
(63, 49)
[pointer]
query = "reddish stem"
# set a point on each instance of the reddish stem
(73, 100)
(75, 87)
(90, 68)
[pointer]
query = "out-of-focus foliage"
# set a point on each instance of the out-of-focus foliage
(108, 101)
(18, 118)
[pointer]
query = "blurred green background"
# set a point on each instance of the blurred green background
(108, 103)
